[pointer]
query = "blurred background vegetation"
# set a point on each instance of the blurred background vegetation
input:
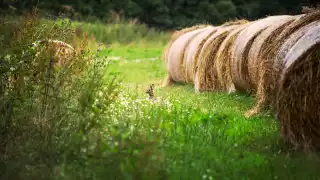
(163, 14)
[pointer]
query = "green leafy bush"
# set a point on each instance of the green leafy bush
(60, 122)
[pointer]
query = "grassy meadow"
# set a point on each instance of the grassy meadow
(181, 135)
(206, 136)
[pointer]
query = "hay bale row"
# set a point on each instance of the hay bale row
(183, 52)
(277, 58)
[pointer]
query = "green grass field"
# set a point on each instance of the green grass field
(206, 136)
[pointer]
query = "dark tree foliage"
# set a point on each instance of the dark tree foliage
(165, 14)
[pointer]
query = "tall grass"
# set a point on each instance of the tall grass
(124, 32)
(67, 122)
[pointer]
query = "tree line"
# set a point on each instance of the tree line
(164, 14)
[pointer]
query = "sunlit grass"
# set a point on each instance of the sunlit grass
(134, 51)
(206, 136)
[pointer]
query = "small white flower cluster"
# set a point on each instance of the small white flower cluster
(130, 106)
(207, 176)
(131, 113)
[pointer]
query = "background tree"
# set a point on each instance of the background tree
(166, 14)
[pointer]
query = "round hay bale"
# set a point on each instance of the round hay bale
(206, 75)
(61, 52)
(290, 42)
(193, 50)
(179, 33)
(273, 55)
(176, 55)
(58, 54)
(235, 22)
(222, 59)
(256, 57)
(240, 51)
(168, 80)
(260, 43)
(298, 102)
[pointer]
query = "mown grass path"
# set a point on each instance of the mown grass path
(206, 136)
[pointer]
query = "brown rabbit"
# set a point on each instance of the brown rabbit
(150, 91)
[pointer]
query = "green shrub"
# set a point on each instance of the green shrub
(61, 123)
